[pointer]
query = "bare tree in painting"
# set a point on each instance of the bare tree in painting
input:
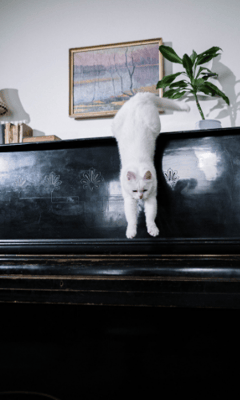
(130, 72)
(112, 76)
(99, 69)
(118, 72)
(94, 82)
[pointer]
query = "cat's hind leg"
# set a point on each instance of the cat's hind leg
(150, 205)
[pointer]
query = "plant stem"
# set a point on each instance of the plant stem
(198, 106)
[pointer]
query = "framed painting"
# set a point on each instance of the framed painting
(103, 78)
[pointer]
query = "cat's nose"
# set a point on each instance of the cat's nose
(140, 197)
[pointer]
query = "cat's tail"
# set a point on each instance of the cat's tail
(168, 104)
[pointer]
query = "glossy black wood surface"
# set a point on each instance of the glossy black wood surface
(63, 226)
(66, 197)
(60, 334)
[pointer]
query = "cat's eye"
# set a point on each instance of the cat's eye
(145, 190)
(135, 191)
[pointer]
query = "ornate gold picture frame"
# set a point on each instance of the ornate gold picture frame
(103, 78)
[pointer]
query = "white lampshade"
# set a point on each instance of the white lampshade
(15, 113)
(3, 107)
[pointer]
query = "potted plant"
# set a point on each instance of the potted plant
(196, 80)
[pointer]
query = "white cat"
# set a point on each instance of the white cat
(136, 127)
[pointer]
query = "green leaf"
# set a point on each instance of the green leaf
(210, 51)
(167, 80)
(174, 94)
(170, 54)
(207, 76)
(178, 95)
(199, 82)
(204, 89)
(217, 92)
(201, 69)
(204, 59)
(178, 84)
(187, 63)
(208, 70)
(211, 75)
(193, 56)
(170, 93)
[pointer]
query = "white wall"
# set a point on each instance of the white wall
(37, 34)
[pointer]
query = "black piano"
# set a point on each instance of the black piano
(80, 302)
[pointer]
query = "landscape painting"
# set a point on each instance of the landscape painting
(103, 78)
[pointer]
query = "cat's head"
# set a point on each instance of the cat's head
(139, 184)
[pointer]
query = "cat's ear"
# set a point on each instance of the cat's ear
(131, 175)
(147, 176)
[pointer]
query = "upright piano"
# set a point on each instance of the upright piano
(66, 264)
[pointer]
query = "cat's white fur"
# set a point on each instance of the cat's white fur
(136, 127)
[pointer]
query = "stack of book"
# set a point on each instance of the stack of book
(21, 133)
(16, 133)
(2, 134)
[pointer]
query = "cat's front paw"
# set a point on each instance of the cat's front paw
(153, 230)
(131, 232)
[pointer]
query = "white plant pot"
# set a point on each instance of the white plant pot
(208, 124)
